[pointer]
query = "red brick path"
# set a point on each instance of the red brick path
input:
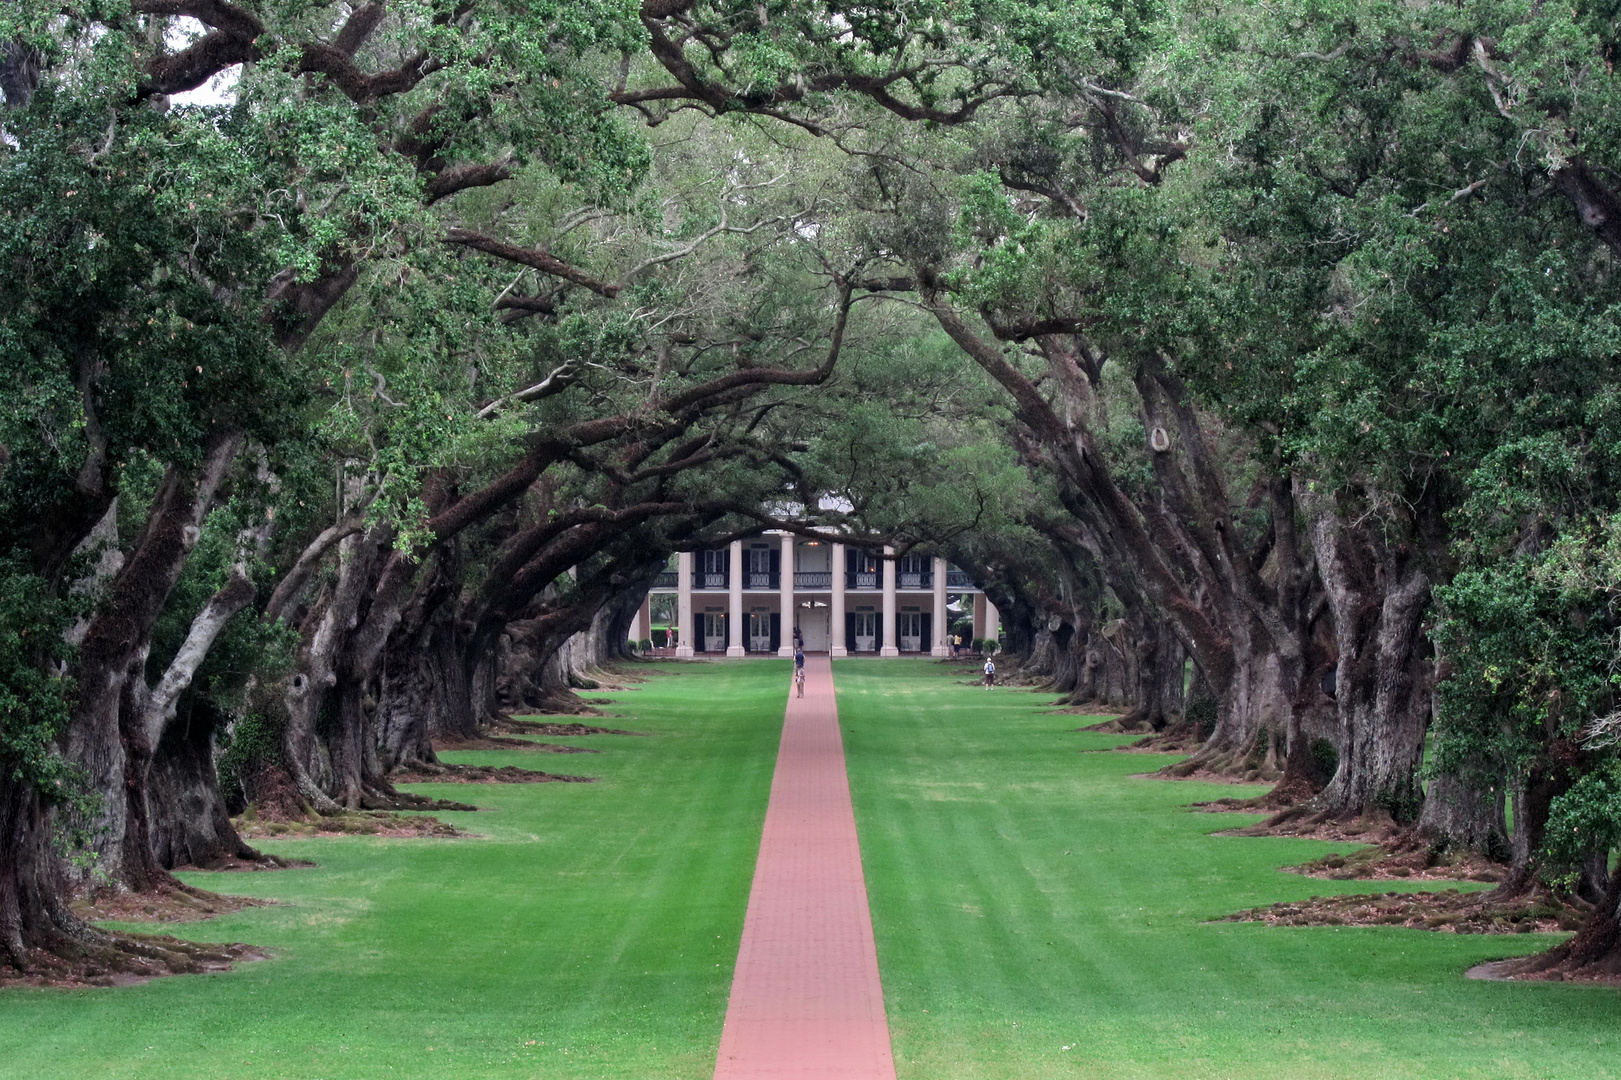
(806, 1000)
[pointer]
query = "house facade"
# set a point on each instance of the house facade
(749, 597)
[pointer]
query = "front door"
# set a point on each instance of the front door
(759, 631)
(813, 625)
(911, 631)
(714, 632)
(866, 631)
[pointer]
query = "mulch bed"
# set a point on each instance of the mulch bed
(1449, 911)
(498, 742)
(1391, 851)
(1376, 864)
(483, 774)
(545, 727)
(165, 904)
(353, 823)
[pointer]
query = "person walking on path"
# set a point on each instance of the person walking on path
(799, 671)
(990, 673)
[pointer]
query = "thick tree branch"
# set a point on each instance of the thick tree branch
(544, 261)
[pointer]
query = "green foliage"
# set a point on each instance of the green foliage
(1585, 819)
(34, 694)
(253, 743)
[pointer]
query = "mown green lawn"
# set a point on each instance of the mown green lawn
(589, 932)
(1029, 894)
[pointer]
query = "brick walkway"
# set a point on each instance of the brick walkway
(806, 1000)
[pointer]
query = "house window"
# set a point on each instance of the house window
(865, 627)
(914, 572)
(910, 631)
(712, 572)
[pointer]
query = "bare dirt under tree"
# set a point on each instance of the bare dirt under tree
(1448, 911)
(444, 773)
(164, 904)
(352, 823)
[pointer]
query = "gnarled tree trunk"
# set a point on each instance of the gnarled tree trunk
(1378, 593)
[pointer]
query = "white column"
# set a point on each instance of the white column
(684, 628)
(993, 623)
(785, 647)
(891, 645)
(940, 648)
(734, 645)
(836, 645)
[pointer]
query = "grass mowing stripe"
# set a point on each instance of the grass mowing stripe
(1028, 895)
(588, 932)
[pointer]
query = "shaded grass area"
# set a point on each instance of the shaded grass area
(589, 930)
(1028, 895)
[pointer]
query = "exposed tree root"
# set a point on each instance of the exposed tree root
(1413, 863)
(230, 864)
(389, 799)
(523, 726)
(165, 904)
(1395, 851)
(1449, 911)
(563, 703)
(1173, 739)
(105, 958)
(497, 742)
(1132, 723)
(442, 773)
(1239, 768)
(352, 823)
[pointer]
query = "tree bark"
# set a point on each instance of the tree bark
(108, 736)
(1378, 593)
(1461, 814)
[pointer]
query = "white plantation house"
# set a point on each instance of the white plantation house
(748, 598)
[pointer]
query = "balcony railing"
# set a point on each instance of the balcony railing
(703, 580)
(862, 579)
(957, 579)
(667, 580)
(815, 579)
(754, 580)
(921, 580)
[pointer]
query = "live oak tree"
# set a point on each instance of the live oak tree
(1280, 340)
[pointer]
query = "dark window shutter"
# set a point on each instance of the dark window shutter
(927, 641)
(776, 631)
(850, 632)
